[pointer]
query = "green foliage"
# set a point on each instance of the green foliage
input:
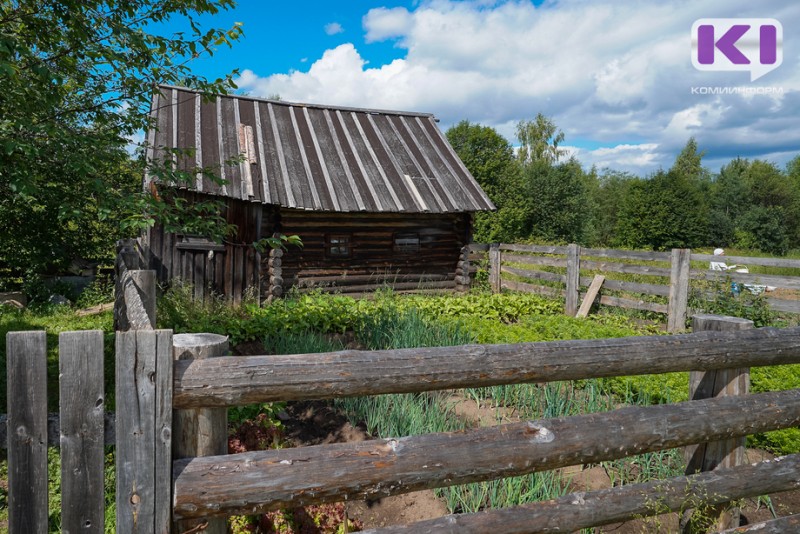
(326, 313)
(100, 291)
(278, 241)
(663, 212)
(486, 153)
(556, 202)
(539, 140)
(764, 228)
(724, 297)
(77, 82)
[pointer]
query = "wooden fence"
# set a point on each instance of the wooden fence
(583, 276)
(154, 487)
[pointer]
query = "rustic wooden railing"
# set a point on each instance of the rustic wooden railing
(154, 487)
(571, 272)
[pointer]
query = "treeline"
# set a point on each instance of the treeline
(543, 196)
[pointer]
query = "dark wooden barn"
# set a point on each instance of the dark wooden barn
(377, 197)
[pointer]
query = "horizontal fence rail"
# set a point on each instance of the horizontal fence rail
(580, 510)
(270, 480)
(241, 380)
(529, 268)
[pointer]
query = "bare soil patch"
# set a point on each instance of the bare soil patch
(315, 423)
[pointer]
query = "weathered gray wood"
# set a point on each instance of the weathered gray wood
(576, 511)
(144, 427)
(573, 280)
(633, 287)
(749, 260)
(378, 278)
(136, 301)
(242, 380)
(379, 284)
(200, 431)
(591, 295)
(711, 384)
(478, 247)
(270, 480)
(54, 430)
(790, 306)
(782, 525)
(26, 373)
(622, 302)
(495, 279)
(162, 441)
(627, 268)
(547, 261)
(537, 275)
(538, 249)
(625, 254)
(81, 400)
(678, 290)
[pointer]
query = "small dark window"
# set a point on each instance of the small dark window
(338, 246)
(406, 243)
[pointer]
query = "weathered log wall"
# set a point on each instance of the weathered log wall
(373, 258)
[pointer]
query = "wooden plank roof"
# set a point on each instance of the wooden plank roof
(305, 156)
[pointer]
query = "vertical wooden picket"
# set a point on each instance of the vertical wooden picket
(678, 289)
(494, 268)
(26, 371)
(81, 399)
(144, 431)
(573, 280)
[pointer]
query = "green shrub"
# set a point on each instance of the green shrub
(718, 297)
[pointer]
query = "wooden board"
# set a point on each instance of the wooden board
(144, 427)
(259, 481)
(241, 380)
(539, 275)
(26, 371)
(81, 400)
(591, 294)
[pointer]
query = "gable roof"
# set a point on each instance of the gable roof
(305, 156)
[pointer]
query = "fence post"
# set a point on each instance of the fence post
(727, 453)
(144, 431)
(134, 289)
(573, 279)
(678, 289)
(494, 267)
(26, 373)
(201, 431)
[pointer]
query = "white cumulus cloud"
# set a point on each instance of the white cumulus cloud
(617, 73)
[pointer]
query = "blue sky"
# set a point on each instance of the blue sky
(615, 75)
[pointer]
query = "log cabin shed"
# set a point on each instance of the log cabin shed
(377, 197)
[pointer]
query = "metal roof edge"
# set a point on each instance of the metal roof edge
(306, 105)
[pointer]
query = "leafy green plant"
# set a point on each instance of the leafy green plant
(725, 297)
(100, 291)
